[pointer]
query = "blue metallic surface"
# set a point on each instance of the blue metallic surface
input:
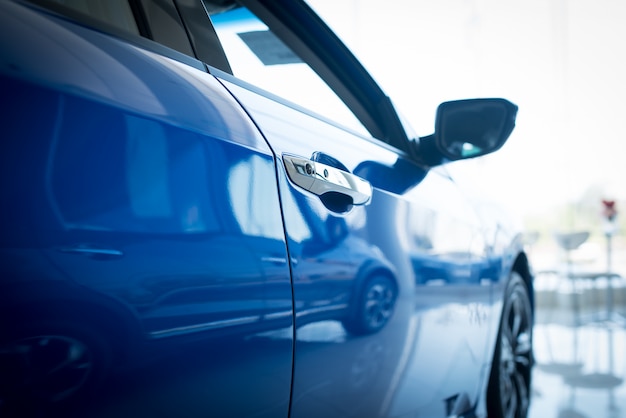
(119, 233)
(146, 208)
(427, 239)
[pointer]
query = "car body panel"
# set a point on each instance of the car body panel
(137, 140)
(149, 206)
(428, 239)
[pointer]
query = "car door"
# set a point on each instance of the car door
(430, 265)
(162, 220)
(399, 319)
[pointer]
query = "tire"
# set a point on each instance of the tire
(50, 364)
(373, 307)
(508, 393)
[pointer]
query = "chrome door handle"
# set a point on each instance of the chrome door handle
(319, 178)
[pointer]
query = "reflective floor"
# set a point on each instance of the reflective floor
(580, 361)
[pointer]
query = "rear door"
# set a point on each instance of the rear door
(391, 317)
(162, 214)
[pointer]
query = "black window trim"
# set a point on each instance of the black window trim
(140, 18)
(201, 33)
(99, 26)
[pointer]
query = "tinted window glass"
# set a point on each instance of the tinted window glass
(116, 13)
(157, 20)
(117, 172)
(165, 25)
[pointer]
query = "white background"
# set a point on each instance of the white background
(562, 62)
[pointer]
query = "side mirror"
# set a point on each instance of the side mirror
(474, 127)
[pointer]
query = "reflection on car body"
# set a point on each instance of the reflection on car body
(181, 238)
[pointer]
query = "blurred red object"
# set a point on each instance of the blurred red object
(609, 212)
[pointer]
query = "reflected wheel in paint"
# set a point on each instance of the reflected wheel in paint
(374, 307)
(50, 363)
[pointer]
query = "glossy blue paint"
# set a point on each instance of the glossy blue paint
(151, 226)
(124, 237)
(426, 239)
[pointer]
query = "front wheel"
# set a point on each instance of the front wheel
(508, 393)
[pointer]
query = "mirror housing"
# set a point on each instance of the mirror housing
(468, 129)
(474, 127)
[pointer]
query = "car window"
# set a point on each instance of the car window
(257, 56)
(156, 20)
(117, 13)
(166, 26)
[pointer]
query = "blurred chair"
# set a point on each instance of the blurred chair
(582, 281)
(578, 270)
(557, 363)
(569, 242)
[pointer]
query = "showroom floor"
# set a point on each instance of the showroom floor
(580, 349)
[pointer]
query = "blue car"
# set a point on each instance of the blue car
(210, 209)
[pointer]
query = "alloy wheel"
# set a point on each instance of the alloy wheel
(510, 380)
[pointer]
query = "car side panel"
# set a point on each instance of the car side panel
(418, 230)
